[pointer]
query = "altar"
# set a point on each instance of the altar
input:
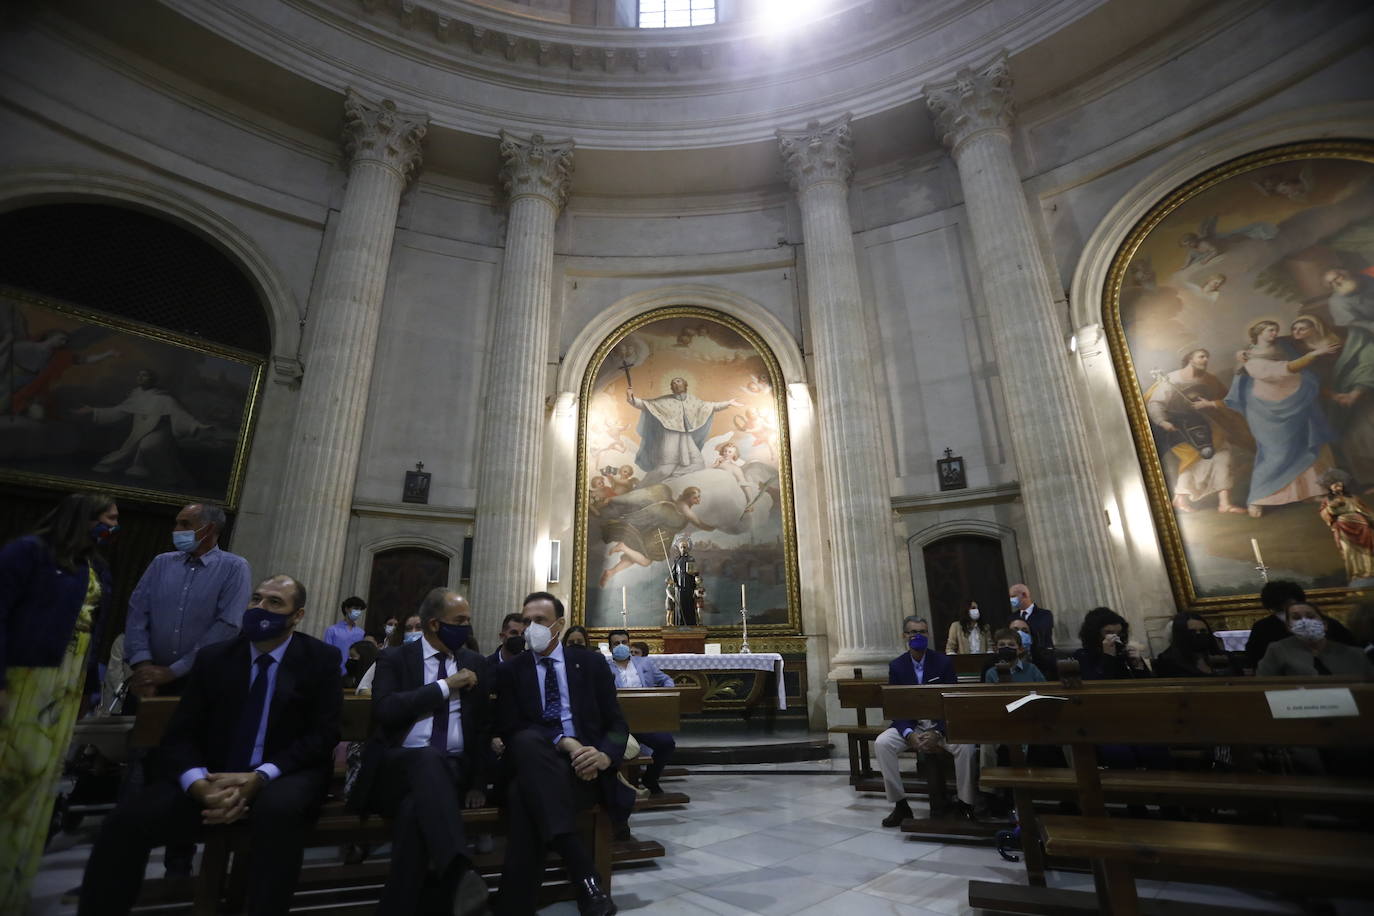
(692, 669)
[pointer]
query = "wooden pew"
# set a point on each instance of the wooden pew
(645, 710)
(1191, 713)
(860, 695)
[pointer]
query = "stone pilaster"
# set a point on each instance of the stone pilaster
(973, 113)
(383, 149)
(819, 163)
(536, 178)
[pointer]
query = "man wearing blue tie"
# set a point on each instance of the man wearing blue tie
(252, 737)
(634, 671)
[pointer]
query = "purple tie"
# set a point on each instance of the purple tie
(553, 697)
(250, 719)
(438, 732)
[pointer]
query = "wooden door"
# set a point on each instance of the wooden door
(961, 569)
(400, 580)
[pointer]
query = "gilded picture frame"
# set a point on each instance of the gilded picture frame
(1245, 282)
(91, 401)
(745, 366)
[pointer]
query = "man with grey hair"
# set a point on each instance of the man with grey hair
(188, 598)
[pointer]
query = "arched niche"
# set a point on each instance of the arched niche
(993, 605)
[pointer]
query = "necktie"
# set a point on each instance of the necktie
(553, 699)
(246, 736)
(438, 731)
(1320, 666)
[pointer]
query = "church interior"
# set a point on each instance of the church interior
(689, 456)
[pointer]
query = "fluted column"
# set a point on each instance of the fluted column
(383, 149)
(536, 177)
(819, 163)
(973, 112)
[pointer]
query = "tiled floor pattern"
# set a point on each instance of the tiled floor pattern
(756, 841)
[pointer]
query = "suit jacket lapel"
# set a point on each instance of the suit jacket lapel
(286, 681)
(414, 657)
(236, 690)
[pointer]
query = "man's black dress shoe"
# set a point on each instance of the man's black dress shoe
(901, 812)
(592, 900)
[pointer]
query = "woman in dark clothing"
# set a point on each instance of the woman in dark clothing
(1191, 650)
(1106, 653)
(54, 590)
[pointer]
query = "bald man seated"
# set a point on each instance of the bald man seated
(252, 739)
(426, 760)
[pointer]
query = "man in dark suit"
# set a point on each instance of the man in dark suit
(564, 735)
(426, 759)
(1041, 623)
(920, 664)
(512, 640)
(252, 737)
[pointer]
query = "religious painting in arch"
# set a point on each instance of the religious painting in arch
(92, 401)
(683, 432)
(1240, 313)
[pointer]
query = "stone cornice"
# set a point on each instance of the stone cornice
(536, 167)
(378, 132)
(975, 101)
(817, 154)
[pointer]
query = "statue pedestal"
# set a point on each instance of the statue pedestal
(683, 640)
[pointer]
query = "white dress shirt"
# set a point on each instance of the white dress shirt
(628, 676)
(420, 731)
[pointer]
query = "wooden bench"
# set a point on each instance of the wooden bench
(859, 694)
(644, 710)
(1192, 712)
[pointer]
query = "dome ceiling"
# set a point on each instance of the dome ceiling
(699, 103)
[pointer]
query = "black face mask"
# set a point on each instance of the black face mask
(1006, 654)
(1201, 642)
(514, 645)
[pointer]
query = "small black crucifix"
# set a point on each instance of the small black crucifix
(417, 485)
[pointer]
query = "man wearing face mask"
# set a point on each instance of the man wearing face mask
(631, 671)
(1012, 663)
(564, 736)
(1309, 651)
(347, 631)
(920, 664)
(252, 738)
(512, 640)
(1040, 621)
(426, 759)
(187, 599)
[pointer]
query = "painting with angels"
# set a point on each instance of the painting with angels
(1241, 315)
(684, 432)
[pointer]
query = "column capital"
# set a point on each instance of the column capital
(537, 167)
(379, 132)
(975, 101)
(818, 153)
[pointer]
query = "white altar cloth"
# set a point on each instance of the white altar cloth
(757, 661)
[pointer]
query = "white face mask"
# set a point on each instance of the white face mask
(538, 637)
(413, 635)
(354, 613)
(389, 629)
(1308, 629)
(1015, 603)
(973, 613)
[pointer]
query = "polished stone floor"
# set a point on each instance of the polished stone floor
(787, 839)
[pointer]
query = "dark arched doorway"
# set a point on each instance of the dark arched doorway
(960, 569)
(400, 578)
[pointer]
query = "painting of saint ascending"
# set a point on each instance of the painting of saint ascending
(684, 443)
(1246, 305)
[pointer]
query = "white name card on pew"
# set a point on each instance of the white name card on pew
(713, 648)
(1312, 703)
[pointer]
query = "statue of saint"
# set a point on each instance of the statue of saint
(685, 589)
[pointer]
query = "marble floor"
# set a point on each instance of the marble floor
(786, 839)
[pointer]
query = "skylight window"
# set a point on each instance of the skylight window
(672, 14)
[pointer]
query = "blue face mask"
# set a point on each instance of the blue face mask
(101, 532)
(620, 652)
(260, 624)
(1015, 603)
(1025, 637)
(185, 541)
(413, 635)
(918, 642)
(454, 636)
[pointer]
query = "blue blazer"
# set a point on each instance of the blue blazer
(938, 669)
(649, 675)
(39, 603)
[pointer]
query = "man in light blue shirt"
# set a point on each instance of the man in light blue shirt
(189, 598)
(346, 632)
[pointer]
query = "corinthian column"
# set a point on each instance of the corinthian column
(536, 177)
(819, 163)
(383, 149)
(973, 111)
